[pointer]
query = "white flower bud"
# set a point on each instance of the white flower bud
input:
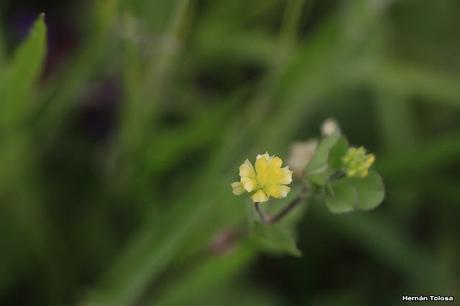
(329, 127)
(300, 155)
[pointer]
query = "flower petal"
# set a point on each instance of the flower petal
(286, 176)
(276, 162)
(237, 188)
(259, 196)
(273, 191)
(262, 169)
(265, 155)
(284, 190)
(249, 184)
(277, 191)
(247, 170)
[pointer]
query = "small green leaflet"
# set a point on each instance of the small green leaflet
(354, 193)
(327, 159)
(275, 238)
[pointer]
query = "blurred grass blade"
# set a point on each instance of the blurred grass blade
(418, 81)
(20, 202)
(137, 112)
(426, 157)
(2, 50)
(58, 96)
(215, 272)
(387, 243)
(21, 74)
(395, 116)
(292, 16)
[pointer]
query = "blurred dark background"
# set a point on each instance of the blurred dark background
(116, 181)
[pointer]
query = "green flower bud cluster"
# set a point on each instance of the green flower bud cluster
(356, 162)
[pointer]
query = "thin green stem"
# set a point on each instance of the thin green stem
(261, 214)
(286, 210)
(266, 219)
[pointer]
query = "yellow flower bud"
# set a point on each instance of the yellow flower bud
(237, 188)
(357, 163)
(264, 180)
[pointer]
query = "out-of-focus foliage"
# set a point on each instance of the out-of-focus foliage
(116, 159)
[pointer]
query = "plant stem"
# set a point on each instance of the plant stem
(286, 210)
(261, 214)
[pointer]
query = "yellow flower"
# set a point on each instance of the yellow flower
(267, 179)
(357, 163)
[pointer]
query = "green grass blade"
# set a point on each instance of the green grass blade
(21, 74)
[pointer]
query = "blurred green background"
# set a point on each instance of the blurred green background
(117, 152)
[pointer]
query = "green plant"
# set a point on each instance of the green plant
(116, 159)
(333, 171)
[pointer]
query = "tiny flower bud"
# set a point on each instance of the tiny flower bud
(329, 127)
(237, 188)
(300, 155)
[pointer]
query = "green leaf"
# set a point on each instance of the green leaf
(275, 238)
(370, 189)
(317, 169)
(21, 74)
(319, 160)
(319, 179)
(337, 152)
(350, 193)
(342, 198)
